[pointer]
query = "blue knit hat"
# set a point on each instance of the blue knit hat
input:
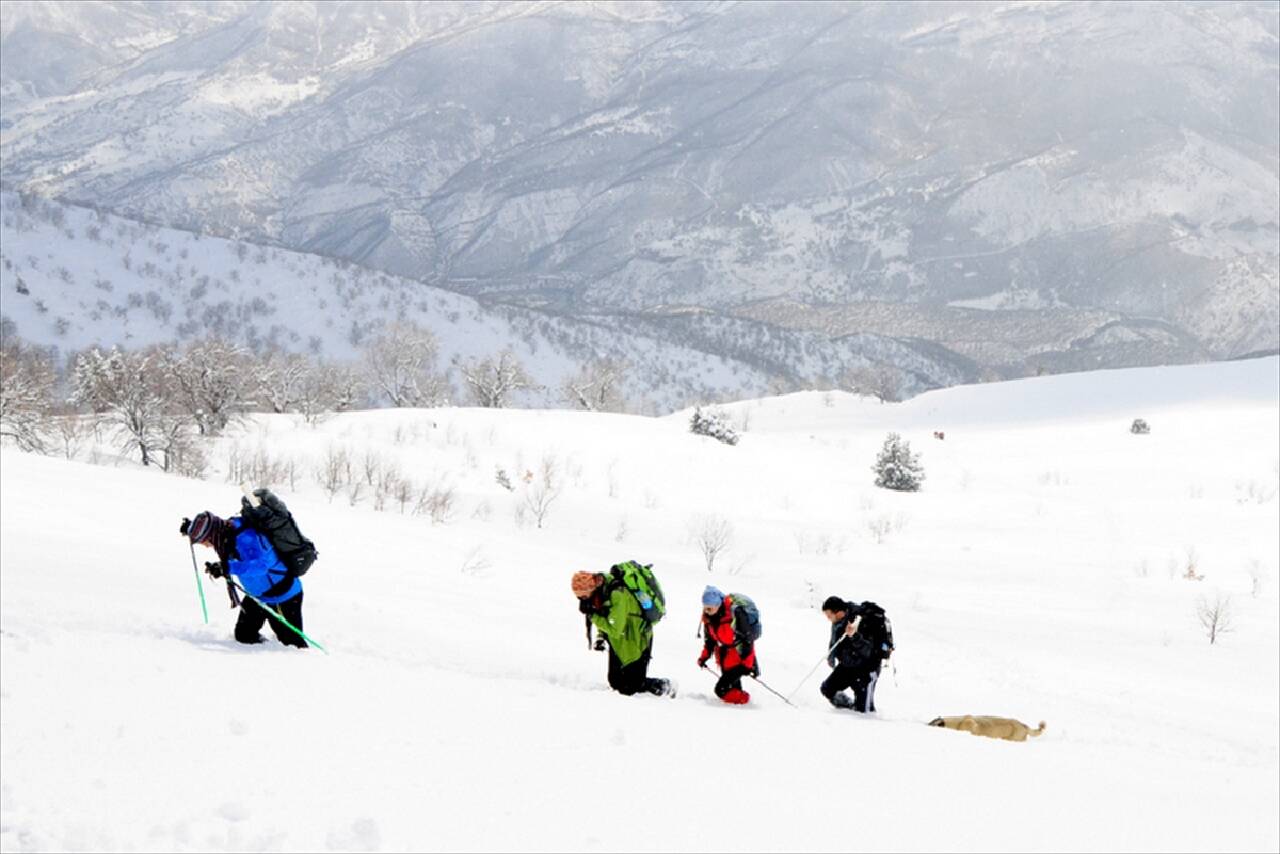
(712, 597)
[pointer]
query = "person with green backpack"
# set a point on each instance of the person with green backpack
(622, 606)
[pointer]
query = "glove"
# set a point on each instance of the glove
(185, 526)
(702, 659)
(599, 645)
(584, 606)
(214, 570)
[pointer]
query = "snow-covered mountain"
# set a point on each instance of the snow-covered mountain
(1050, 569)
(1111, 168)
(71, 277)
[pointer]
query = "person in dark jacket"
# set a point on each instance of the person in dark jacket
(248, 555)
(735, 653)
(861, 639)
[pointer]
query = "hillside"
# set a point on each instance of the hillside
(1070, 158)
(1040, 574)
(71, 277)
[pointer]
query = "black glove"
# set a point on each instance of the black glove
(214, 570)
(185, 526)
(599, 646)
(584, 606)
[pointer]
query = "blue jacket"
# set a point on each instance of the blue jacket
(257, 565)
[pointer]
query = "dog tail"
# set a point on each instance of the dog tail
(1039, 731)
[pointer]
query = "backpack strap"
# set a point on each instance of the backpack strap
(282, 586)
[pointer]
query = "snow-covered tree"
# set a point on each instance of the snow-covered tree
(328, 388)
(26, 394)
(896, 467)
(883, 382)
(132, 391)
(712, 424)
(492, 381)
(212, 382)
(597, 387)
(401, 364)
(280, 378)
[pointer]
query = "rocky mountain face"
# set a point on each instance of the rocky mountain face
(983, 188)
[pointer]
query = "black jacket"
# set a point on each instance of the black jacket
(870, 645)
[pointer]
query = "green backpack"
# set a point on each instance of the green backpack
(639, 579)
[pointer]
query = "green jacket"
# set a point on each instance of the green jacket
(627, 630)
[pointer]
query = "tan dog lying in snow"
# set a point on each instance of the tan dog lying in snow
(1006, 728)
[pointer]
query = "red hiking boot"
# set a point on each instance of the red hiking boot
(737, 697)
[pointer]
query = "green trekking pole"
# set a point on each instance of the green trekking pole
(277, 615)
(199, 585)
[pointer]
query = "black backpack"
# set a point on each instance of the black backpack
(877, 630)
(272, 519)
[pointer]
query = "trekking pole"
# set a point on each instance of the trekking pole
(816, 666)
(199, 584)
(765, 685)
(277, 615)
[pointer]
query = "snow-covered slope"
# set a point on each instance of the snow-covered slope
(1038, 575)
(72, 277)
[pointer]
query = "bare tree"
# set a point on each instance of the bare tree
(1216, 616)
(401, 366)
(326, 389)
(26, 393)
(542, 491)
(403, 492)
(712, 535)
(331, 474)
(212, 382)
(883, 382)
(597, 387)
(70, 430)
(281, 378)
(437, 502)
(491, 382)
(130, 391)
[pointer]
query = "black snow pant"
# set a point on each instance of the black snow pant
(252, 616)
(633, 678)
(863, 682)
(731, 680)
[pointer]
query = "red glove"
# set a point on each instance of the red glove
(702, 659)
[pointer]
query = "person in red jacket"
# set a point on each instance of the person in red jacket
(734, 652)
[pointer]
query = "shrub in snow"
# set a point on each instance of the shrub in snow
(1215, 617)
(712, 424)
(896, 467)
(1139, 426)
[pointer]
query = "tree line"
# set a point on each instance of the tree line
(159, 399)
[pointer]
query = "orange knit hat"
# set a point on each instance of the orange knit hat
(584, 584)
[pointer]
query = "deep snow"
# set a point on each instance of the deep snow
(1038, 575)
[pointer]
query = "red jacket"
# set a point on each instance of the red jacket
(720, 637)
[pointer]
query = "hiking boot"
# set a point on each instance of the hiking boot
(842, 701)
(736, 697)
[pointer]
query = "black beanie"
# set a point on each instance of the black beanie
(835, 603)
